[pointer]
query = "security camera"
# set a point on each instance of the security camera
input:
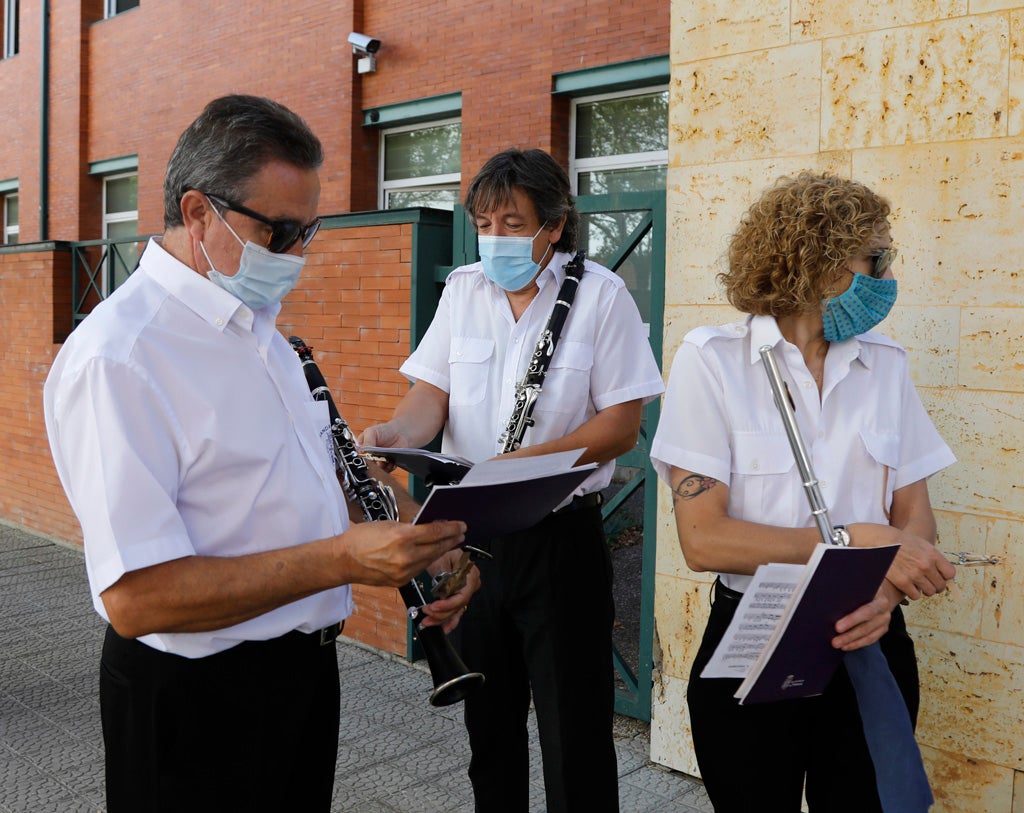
(362, 44)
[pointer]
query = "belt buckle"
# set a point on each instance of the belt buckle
(328, 635)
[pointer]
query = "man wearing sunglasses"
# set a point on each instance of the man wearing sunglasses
(217, 538)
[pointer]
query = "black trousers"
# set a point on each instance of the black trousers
(542, 621)
(757, 757)
(253, 728)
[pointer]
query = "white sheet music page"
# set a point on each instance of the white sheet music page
(755, 620)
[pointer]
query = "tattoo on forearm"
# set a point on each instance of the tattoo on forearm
(691, 486)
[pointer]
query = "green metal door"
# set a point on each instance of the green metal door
(626, 233)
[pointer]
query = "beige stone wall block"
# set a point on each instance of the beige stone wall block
(681, 319)
(702, 29)
(963, 785)
(669, 560)
(992, 349)
(955, 219)
(1003, 619)
(986, 432)
(1015, 124)
(972, 693)
(680, 612)
(930, 336)
(671, 740)
(988, 6)
(752, 105)
(942, 81)
(818, 19)
(963, 608)
(705, 205)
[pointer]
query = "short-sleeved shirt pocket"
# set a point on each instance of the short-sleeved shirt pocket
(468, 366)
(566, 387)
(762, 472)
(883, 448)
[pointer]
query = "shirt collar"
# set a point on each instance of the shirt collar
(764, 330)
(198, 293)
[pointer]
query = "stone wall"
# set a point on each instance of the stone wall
(922, 102)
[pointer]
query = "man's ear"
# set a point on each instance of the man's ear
(196, 211)
(556, 231)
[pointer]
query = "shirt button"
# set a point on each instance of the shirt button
(824, 483)
(808, 384)
(219, 321)
(515, 341)
(755, 465)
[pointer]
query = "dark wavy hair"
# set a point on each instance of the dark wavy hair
(793, 244)
(231, 141)
(540, 177)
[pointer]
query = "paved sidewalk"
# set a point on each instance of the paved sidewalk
(397, 754)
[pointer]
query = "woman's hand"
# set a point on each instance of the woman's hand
(919, 569)
(867, 623)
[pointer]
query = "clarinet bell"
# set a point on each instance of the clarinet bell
(452, 680)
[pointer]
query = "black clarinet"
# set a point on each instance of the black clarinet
(528, 390)
(452, 680)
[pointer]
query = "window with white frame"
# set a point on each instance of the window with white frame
(420, 165)
(11, 229)
(10, 28)
(120, 220)
(620, 142)
(115, 7)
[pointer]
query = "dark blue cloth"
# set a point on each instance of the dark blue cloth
(899, 773)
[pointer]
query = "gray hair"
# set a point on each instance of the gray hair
(231, 141)
(540, 177)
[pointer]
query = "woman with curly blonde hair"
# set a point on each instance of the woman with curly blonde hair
(811, 263)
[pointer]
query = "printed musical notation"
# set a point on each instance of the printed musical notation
(756, 618)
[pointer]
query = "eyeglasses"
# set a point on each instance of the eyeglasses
(283, 233)
(881, 260)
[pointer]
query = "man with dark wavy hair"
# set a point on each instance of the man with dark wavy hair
(542, 622)
(217, 536)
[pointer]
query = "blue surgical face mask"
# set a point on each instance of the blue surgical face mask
(263, 277)
(859, 308)
(508, 261)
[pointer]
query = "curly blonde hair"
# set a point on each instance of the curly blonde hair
(793, 244)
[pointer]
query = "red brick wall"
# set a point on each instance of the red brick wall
(129, 85)
(34, 285)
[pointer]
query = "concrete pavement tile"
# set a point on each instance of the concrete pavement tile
(633, 799)
(428, 798)
(376, 781)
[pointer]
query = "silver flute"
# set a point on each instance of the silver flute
(784, 403)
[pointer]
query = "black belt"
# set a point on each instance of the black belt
(591, 500)
(727, 594)
(328, 634)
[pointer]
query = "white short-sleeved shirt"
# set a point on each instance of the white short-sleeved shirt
(867, 436)
(180, 423)
(476, 352)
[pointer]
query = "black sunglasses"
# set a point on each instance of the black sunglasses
(283, 233)
(881, 260)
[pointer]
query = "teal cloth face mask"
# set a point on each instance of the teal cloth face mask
(859, 308)
(508, 261)
(263, 278)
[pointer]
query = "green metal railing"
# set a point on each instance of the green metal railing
(98, 267)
